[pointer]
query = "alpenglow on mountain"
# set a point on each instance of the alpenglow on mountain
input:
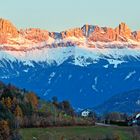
(86, 65)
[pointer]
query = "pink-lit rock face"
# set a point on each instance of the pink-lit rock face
(77, 32)
(7, 29)
(35, 34)
(9, 33)
(103, 34)
(123, 31)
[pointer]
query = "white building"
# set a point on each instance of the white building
(135, 119)
(85, 113)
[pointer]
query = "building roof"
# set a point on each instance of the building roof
(87, 110)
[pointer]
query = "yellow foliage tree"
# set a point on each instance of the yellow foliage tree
(32, 98)
(3, 101)
(18, 111)
(8, 102)
(4, 130)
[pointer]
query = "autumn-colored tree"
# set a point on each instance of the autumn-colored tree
(4, 130)
(32, 98)
(18, 112)
(8, 102)
(18, 116)
(14, 101)
(66, 107)
(3, 101)
(21, 108)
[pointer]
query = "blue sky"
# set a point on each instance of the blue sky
(58, 15)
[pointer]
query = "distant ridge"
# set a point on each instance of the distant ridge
(127, 102)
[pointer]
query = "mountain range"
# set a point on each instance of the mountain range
(86, 65)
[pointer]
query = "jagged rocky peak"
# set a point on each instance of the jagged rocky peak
(103, 34)
(107, 34)
(76, 32)
(6, 27)
(87, 29)
(136, 35)
(123, 30)
(35, 34)
(110, 33)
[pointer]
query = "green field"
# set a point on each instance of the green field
(80, 133)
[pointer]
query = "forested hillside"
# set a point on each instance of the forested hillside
(21, 108)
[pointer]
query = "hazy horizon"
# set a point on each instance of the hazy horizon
(58, 16)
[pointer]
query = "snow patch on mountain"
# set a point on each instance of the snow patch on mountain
(69, 77)
(138, 102)
(114, 62)
(95, 84)
(26, 70)
(51, 76)
(96, 79)
(4, 77)
(130, 75)
(6, 56)
(94, 88)
(46, 92)
(105, 66)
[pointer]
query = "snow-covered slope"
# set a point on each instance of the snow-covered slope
(81, 55)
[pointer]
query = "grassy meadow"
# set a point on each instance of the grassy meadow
(80, 133)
